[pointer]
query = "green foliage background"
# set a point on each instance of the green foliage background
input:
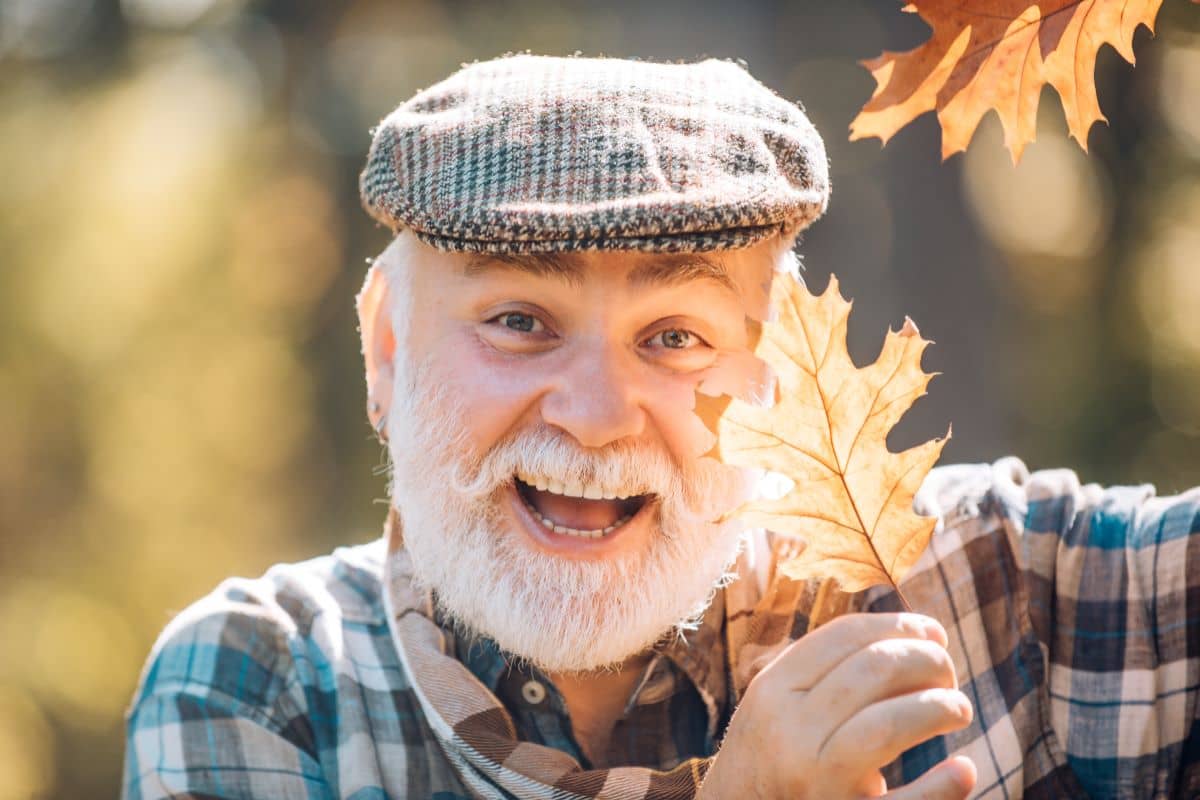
(180, 243)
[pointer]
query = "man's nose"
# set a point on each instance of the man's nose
(597, 399)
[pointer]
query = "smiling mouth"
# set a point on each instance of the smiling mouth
(583, 510)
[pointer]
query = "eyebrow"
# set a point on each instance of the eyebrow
(670, 270)
(543, 265)
(677, 270)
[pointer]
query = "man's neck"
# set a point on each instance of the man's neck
(596, 700)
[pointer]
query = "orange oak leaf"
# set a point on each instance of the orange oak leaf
(852, 499)
(986, 54)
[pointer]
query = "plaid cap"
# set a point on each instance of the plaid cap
(538, 154)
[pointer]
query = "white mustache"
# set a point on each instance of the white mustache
(698, 492)
(632, 469)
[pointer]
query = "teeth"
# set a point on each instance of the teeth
(591, 491)
(564, 530)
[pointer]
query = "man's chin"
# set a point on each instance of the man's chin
(563, 615)
(558, 603)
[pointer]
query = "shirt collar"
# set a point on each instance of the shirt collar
(696, 655)
(700, 654)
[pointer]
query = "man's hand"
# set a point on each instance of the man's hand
(837, 705)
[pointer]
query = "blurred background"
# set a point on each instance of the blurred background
(181, 240)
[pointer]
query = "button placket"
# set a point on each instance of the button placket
(533, 692)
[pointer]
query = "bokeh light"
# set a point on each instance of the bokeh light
(1049, 215)
(1168, 293)
(26, 746)
(38, 29)
(1179, 86)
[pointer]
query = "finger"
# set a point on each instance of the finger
(873, 785)
(879, 733)
(888, 668)
(953, 779)
(809, 659)
(883, 669)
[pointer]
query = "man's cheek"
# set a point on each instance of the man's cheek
(671, 403)
(685, 407)
(497, 392)
(740, 374)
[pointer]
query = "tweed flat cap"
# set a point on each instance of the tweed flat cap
(539, 154)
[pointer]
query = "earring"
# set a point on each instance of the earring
(382, 423)
(379, 426)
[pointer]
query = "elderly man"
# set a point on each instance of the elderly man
(560, 606)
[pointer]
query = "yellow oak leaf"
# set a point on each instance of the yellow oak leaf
(985, 54)
(852, 499)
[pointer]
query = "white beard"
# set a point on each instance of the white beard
(559, 614)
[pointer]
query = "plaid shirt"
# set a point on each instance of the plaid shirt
(1074, 627)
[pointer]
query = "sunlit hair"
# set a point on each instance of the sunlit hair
(787, 260)
(396, 262)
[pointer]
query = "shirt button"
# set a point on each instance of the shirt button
(533, 692)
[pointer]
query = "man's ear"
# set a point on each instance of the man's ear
(378, 342)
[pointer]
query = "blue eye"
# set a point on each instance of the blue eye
(517, 321)
(675, 339)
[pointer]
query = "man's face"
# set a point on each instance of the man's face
(547, 458)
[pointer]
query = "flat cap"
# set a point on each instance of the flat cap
(539, 154)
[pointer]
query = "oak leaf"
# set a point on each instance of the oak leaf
(986, 54)
(852, 499)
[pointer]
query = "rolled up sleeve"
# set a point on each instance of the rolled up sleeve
(1114, 595)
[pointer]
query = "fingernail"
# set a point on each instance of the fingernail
(935, 631)
(965, 707)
